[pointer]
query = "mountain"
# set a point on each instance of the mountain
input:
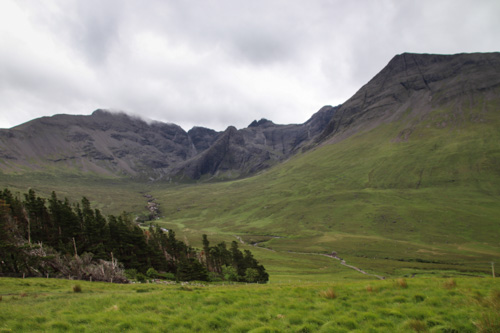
(407, 91)
(259, 146)
(413, 85)
(117, 144)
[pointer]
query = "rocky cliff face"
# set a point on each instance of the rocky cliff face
(418, 83)
(243, 152)
(111, 143)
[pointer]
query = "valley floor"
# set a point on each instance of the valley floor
(402, 305)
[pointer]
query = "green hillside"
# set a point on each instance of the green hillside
(383, 199)
(112, 195)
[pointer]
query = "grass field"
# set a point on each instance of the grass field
(400, 305)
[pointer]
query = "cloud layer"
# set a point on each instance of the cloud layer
(217, 63)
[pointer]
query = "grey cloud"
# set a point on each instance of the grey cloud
(99, 28)
(217, 63)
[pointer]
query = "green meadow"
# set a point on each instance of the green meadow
(394, 305)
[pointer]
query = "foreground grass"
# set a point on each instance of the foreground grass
(435, 305)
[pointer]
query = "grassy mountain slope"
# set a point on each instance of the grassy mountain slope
(111, 195)
(420, 191)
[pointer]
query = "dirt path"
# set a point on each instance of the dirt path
(342, 261)
(256, 244)
(239, 238)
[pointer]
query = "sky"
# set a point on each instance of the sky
(216, 63)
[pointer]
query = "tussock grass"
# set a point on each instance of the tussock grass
(417, 325)
(77, 288)
(450, 284)
(401, 283)
(329, 293)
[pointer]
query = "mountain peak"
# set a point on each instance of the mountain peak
(104, 113)
(100, 112)
(261, 122)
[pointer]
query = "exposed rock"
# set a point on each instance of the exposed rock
(237, 153)
(262, 122)
(115, 143)
(202, 137)
(417, 82)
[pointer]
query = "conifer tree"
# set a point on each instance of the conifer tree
(238, 260)
(191, 269)
(206, 251)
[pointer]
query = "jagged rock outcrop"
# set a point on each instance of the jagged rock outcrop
(243, 152)
(202, 138)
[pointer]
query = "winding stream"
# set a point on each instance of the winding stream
(333, 256)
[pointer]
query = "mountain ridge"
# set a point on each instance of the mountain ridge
(119, 144)
(406, 90)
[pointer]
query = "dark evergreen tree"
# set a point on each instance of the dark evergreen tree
(38, 221)
(191, 269)
(65, 222)
(206, 251)
(221, 257)
(7, 248)
(238, 259)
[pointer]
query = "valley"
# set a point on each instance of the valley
(403, 179)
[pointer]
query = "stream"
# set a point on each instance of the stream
(333, 256)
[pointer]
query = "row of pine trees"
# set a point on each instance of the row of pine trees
(54, 237)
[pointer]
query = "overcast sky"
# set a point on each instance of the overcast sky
(216, 63)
